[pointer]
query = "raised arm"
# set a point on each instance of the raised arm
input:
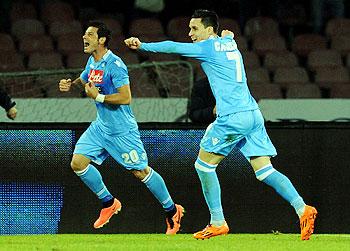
(193, 50)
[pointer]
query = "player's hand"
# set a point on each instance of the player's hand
(91, 90)
(133, 43)
(65, 85)
(12, 113)
(225, 33)
(214, 111)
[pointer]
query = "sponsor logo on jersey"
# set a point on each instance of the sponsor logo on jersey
(96, 76)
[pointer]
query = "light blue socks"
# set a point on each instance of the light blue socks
(93, 179)
(283, 187)
(156, 185)
(211, 191)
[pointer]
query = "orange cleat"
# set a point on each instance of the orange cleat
(307, 222)
(211, 231)
(107, 213)
(173, 224)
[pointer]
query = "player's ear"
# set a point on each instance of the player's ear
(210, 30)
(102, 40)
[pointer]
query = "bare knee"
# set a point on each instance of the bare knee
(259, 162)
(79, 162)
(141, 174)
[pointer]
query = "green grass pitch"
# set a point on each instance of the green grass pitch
(183, 242)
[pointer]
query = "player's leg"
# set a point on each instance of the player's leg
(129, 152)
(205, 166)
(217, 142)
(259, 147)
(155, 183)
(89, 148)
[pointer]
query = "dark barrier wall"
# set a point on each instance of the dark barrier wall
(40, 194)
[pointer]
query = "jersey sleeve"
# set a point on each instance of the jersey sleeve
(119, 75)
(191, 50)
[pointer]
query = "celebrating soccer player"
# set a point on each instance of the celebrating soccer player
(115, 131)
(239, 122)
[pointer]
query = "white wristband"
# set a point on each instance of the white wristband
(100, 98)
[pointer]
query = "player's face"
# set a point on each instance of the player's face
(197, 30)
(90, 39)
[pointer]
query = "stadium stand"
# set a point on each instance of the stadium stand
(303, 91)
(39, 60)
(35, 43)
(324, 58)
(281, 59)
(286, 77)
(258, 76)
(6, 43)
(265, 26)
(303, 44)
(20, 10)
(338, 26)
(328, 77)
(23, 27)
(260, 91)
(262, 46)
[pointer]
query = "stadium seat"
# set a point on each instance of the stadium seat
(250, 60)
(341, 43)
(129, 57)
(20, 10)
(35, 43)
(229, 24)
(6, 43)
(56, 11)
(303, 91)
(328, 77)
(145, 26)
(241, 42)
(323, 58)
(39, 60)
(338, 26)
(11, 61)
(177, 29)
(74, 43)
(23, 27)
(282, 59)
(76, 60)
(262, 46)
(67, 28)
(303, 44)
(285, 77)
(141, 84)
(265, 91)
(340, 91)
(113, 24)
(264, 26)
(257, 76)
(347, 61)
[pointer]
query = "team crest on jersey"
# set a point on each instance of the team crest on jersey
(96, 76)
(215, 141)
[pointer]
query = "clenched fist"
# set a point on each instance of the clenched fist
(65, 84)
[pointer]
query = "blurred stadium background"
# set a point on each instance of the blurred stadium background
(297, 69)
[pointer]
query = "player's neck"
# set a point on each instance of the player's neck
(99, 53)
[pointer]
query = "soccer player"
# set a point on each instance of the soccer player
(239, 122)
(115, 131)
(7, 103)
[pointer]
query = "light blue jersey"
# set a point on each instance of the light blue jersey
(115, 131)
(222, 63)
(108, 74)
(239, 122)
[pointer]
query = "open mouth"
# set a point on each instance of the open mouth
(86, 44)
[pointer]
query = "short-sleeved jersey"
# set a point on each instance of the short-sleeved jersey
(108, 74)
(222, 63)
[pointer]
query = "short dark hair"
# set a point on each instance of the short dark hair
(209, 18)
(102, 30)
